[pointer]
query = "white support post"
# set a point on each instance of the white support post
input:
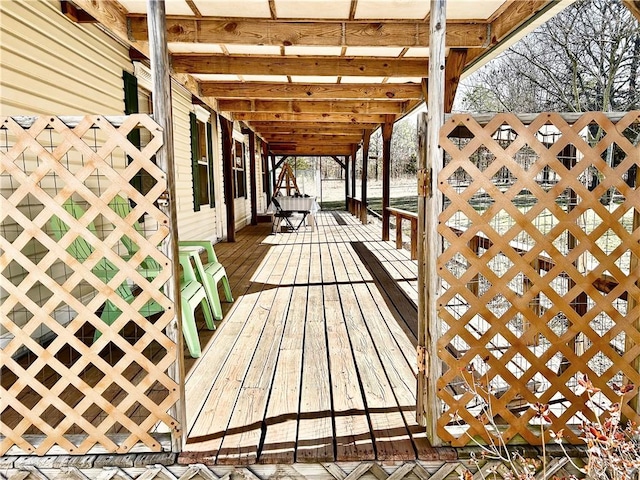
(162, 113)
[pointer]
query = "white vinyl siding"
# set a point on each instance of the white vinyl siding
(51, 65)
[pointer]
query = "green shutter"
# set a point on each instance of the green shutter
(195, 155)
(130, 107)
(244, 171)
(212, 198)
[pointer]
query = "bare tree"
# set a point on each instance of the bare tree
(585, 58)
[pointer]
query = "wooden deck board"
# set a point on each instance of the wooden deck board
(353, 434)
(315, 440)
(281, 419)
(242, 439)
(392, 438)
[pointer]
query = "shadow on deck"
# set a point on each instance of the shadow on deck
(315, 361)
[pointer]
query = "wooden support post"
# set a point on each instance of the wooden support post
(354, 151)
(229, 181)
(162, 113)
(398, 232)
(253, 181)
(429, 208)
(414, 239)
(346, 182)
(273, 172)
(265, 171)
(365, 166)
(387, 130)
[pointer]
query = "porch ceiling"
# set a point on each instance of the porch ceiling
(272, 64)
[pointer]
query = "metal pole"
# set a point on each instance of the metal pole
(161, 81)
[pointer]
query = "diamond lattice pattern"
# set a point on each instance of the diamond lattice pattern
(540, 273)
(84, 356)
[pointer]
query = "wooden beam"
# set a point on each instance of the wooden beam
(161, 87)
(75, 14)
(365, 168)
(387, 130)
(265, 170)
(310, 132)
(309, 117)
(227, 171)
(633, 6)
(353, 170)
(313, 150)
(310, 138)
(319, 91)
(253, 181)
(512, 17)
(278, 65)
(285, 33)
(430, 245)
(274, 180)
(338, 161)
(312, 106)
(455, 63)
(264, 127)
(348, 164)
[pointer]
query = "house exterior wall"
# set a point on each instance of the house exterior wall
(53, 66)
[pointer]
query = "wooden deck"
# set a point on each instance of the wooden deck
(315, 360)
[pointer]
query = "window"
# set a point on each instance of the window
(239, 165)
(202, 161)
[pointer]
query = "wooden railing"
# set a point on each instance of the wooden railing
(401, 215)
(357, 208)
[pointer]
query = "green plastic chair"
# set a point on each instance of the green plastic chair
(122, 207)
(210, 273)
(105, 270)
(192, 294)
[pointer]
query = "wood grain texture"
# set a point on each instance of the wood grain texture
(312, 106)
(327, 33)
(262, 90)
(322, 66)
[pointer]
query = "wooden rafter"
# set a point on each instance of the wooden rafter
(328, 34)
(278, 65)
(297, 131)
(312, 150)
(287, 126)
(311, 106)
(75, 14)
(310, 138)
(321, 91)
(310, 117)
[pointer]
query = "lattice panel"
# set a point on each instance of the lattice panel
(68, 272)
(540, 272)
